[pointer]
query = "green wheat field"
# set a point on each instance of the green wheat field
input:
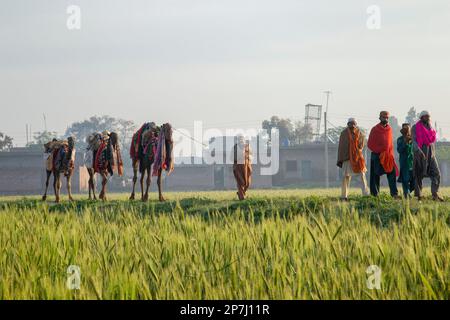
(279, 244)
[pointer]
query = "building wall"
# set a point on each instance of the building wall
(258, 181)
(190, 177)
(305, 165)
(23, 172)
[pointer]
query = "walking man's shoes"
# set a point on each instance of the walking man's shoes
(438, 198)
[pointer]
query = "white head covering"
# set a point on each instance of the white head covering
(352, 120)
(424, 113)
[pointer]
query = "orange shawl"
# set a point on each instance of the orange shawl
(356, 156)
(381, 141)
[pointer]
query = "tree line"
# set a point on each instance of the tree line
(291, 132)
(296, 133)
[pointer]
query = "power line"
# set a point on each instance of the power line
(195, 140)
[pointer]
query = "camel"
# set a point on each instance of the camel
(103, 157)
(151, 152)
(60, 160)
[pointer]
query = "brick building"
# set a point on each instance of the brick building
(22, 171)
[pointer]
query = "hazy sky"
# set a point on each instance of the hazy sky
(229, 63)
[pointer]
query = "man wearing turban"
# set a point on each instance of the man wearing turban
(381, 143)
(425, 163)
(350, 157)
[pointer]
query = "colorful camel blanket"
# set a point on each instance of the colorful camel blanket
(163, 156)
(101, 158)
(137, 141)
(93, 141)
(149, 144)
(59, 156)
(108, 159)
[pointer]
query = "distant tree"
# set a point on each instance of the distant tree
(6, 142)
(290, 133)
(303, 133)
(81, 129)
(412, 116)
(284, 126)
(42, 137)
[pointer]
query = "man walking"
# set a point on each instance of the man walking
(405, 150)
(382, 159)
(425, 163)
(351, 159)
(242, 166)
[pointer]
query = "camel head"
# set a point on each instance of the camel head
(71, 143)
(48, 147)
(114, 140)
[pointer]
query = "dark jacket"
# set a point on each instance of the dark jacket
(344, 145)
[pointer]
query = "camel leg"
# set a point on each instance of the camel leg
(134, 179)
(141, 181)
(49, 173)
(56, 185)
(59, 185)
(103, 192)
(161, 198)
(91, 184)
(147, 187)
(69, 185)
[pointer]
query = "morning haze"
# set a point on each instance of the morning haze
(227, 63)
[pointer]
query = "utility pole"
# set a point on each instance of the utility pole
(45, 122)
(327, 169)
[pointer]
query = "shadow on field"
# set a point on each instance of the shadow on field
(381, 211)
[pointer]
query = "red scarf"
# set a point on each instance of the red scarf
(381, 142)
(356, 156)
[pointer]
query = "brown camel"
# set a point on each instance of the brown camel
(151, 153)
(60, 160)
(106, 159)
